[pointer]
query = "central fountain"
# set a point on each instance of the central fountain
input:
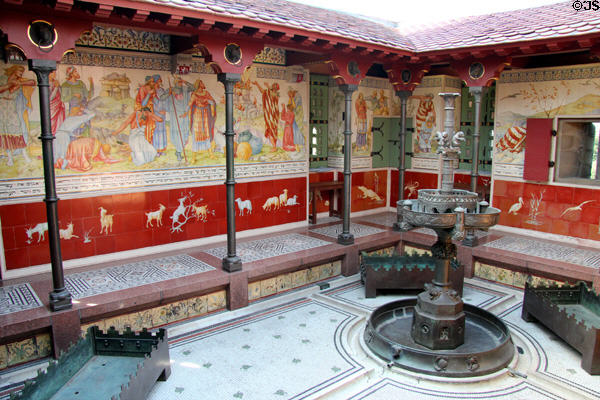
(437, 333)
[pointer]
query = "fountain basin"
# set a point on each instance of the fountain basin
(487, 348)
(483, 220)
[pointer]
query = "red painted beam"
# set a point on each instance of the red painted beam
(174, 20)
(62, 5)
(140, 16)
(104, 11)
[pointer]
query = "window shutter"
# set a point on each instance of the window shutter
(537, 149)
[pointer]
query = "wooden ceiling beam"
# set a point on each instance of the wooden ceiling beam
(61, 5)
(103, 11)
(175, 20)
(140, 16)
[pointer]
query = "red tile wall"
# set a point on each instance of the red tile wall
(129, 229)
(553, 216)
(375, 181)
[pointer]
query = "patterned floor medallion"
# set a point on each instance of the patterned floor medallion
(357, 230)
(547, 250)
(271, 247)
(85, 284)
(18, 298)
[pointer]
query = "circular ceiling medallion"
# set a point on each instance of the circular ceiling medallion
(42, 34)
(353, 68)
(406, 76)
(233, 54)
(476, 70)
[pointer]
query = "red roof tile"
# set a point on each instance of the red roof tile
(288, 14)
(550, 21)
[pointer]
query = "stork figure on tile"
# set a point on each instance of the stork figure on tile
(514, 209)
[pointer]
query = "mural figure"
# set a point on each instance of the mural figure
(361, 118)
(142, 151)
(202, 110)
(295, 100)
(76, 152)
(15, 104)
(412, 188)
(271, 203)
(182, 213)
(369, 194)
(287, 116)
(159, 138)
(424, 123)
(179, 128)
(270, 100)
(76, 95)
(379, 103)
(144, 101)
(58, 111)
(534, 205)
(292, 201)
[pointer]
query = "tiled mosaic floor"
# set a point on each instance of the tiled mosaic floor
(85, 284)
(271, 247)
(18, 298)
(357, 230)
(379, 219)
(307, 345)
(547, 250)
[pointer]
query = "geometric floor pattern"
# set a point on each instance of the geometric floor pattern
(380, 219)
(307, 344)
(272, 247)
(19, 297)
(548, 250)
(90, 283)
(357, 230)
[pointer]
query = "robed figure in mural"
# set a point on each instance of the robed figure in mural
(287, 116)
(15, 104)
(362, 124)
(159, 139)
(295, 100)
(145, 99)
(270, 101)
(179, 121)
(58, 111)
(76, 95)
(142, 151)
(202, 111)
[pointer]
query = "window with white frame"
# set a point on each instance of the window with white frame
(577, 151)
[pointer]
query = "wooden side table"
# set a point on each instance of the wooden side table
(331, 187)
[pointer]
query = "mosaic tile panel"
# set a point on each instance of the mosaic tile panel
(165, 314)
(547, 250)
(509, 277)
(357, 230)
(85, 284)
(270, 247)
(15, 298)
(292, 280)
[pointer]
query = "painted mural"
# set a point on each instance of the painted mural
(115, 120)
(538, 93)
(374, 98)
(426, 108)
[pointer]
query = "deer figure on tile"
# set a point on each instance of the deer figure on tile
(106, 221)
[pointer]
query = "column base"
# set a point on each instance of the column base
(232, 264)
(345, 238)
(60, 300)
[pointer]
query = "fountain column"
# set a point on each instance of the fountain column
(438, 319)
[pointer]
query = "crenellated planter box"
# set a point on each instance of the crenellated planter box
(104, 366)
(572, 313)
(403, 272)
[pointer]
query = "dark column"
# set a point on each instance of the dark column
(404, 95)
(60, 298)
(346, 237)
(231, 262)
(477, 92)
